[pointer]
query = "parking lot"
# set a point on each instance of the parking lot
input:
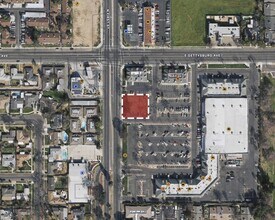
(161, 144)
(132, 22)
(162, 141)
(169, 141)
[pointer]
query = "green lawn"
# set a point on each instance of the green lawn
(27, 109)
(269, 168)
(19, 188)
(125, 185)
(188, 17)
(237, 65)
(57, 96)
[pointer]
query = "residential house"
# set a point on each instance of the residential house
(91, 125)
(8, 160)
(89, 139)
(60, 212)
(41, 23)
(90, 111)
(56, 121)
(77, 213)
(49, 38)
(221, 212)
(8, 137)
(17, 101)
(7, 38)
(138, 212)
(23, 213)
(57, 168)
(23, 138)
(76, 84)
(65, 9)
(58, 154)
(269, 12)
(76, 112)
(8, 193)
(28, 39)
(31, 79)
(4, 22)
(76, 139)
(65, 39)
(6, 214)
(4, 78)
(15, 74)
(25, 195)
(76, 125)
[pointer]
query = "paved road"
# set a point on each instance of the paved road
(107, 141)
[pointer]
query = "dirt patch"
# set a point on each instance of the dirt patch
(20, 158)
(4, 101)
(86, 19)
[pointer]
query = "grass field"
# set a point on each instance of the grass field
(268, 129)
(269, 167)
(188, 17)
(238, 65)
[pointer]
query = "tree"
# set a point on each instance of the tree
(70, 3)
(98, 193)
(98, 212)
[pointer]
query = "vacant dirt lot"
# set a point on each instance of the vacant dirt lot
(86, 18)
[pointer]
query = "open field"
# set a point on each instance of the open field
(268, 132)
(86, 18)
(188, 17)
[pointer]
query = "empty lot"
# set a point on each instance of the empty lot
(86, 18)
(188, 17)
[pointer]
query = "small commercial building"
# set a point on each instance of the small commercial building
(148, 25)
(223, 30)
(78, 190)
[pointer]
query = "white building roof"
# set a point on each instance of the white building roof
(78, 192)
(35, 15)
(223, 88)
(226, 125)
(233, 31)
(182, 188)
(84, 103)
(3, 76)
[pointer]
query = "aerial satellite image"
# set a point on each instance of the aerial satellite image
(137, 110)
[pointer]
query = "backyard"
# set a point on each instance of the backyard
(188, 17)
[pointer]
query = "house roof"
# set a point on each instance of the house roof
(49, 38)
(38, 22)
(136, 212)
(8, 160)
(8, 193)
